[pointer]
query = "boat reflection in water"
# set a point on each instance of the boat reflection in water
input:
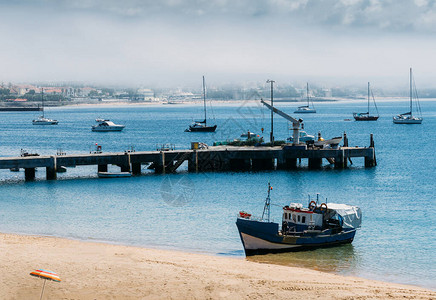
(343, 259)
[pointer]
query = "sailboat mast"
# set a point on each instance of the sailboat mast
(307, 93)
(410, 91)
(368, 98)
(204, 101)
(42, 100)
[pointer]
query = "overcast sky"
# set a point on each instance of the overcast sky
(174, 42)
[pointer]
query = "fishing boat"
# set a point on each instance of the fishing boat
(408, 118)
(306, 109)
(107, 125)
(42, 120)
(316, 226)
(201, 126)
(113, 174)
(304, 137)
(365, 116)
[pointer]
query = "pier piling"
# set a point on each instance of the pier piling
(102, 168)
(51, 170)
(29, 174)
(136, 168)
(315, 163)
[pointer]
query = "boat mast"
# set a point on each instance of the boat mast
(410, 91)
(266, 208)
(42, 100)
(368, 97)
(204, 101)
(271, 138)
(307, 93)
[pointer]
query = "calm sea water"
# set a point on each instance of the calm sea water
(196, 212)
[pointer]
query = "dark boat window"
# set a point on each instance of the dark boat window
(303, 219)
(298, 218)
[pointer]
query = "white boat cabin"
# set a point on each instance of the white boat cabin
(297, 219)
(301, 218)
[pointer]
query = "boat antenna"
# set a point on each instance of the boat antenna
(266, 208)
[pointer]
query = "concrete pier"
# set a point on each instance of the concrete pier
(219, 158)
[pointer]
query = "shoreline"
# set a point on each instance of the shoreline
(91, 270)
(217, 102)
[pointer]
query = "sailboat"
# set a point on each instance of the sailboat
(41, 119)
(201, 126)
(305, 108)
(408, 118)
(366, 116)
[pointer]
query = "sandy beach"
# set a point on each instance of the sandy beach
(92, 270)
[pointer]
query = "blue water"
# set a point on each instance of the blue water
(196, 212)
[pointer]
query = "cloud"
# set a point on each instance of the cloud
(388, 15)
(134, 41)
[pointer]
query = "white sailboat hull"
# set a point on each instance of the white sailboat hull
(44, 121)
(305, 110)
(411, 120)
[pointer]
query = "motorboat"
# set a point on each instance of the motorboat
(304, 137)
(41, 120)
(408, 118)
(315, 226)
(106, 125)
(333, 142)
(113, 174)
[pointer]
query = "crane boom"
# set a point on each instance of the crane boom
(295, 123)
(280, 113)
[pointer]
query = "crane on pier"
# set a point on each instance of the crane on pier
(296, 124)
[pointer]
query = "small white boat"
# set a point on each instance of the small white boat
(107, 125)
(304, 137)
(44, 121)
(408, 118)
(305, 109)
(332, 142)
(113, 174)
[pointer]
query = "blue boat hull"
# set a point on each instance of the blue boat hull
(262, 237)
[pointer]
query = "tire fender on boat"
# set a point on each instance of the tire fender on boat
(312, 205)
(323, 207)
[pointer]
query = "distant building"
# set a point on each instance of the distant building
(327, 93)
